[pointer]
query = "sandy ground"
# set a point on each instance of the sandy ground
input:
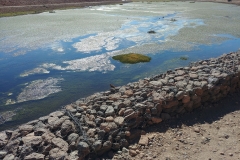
(211, 132)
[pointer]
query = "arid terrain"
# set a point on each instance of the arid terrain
(211, 132)
(36, 6)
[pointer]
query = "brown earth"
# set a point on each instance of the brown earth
(11, 6)
(236, 2)
(211, 132)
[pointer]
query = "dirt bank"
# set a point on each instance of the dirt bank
(210, 132)
(40, 7)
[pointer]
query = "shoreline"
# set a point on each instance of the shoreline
(114, 119)
(8, 11)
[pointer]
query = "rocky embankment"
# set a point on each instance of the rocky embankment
(114, 119)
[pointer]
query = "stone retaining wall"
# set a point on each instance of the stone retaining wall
(111, 120)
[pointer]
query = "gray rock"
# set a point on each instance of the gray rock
(83, 148)
(40, 124)
(127, 103)
(9, 157)
(108, 126)
(43, 119)
(119, 121)
(57, 114)
(124, 143)
(116, 146)
(47, 137)
(154, 111)
(156, 83)
(32, 122)
(180, 72)
(31, 140)
(74, 155)
(57, 154)
(25, 129)
(179, 78)
(67, 127)
(179, 95)
(181, 84)
(193, 76)
(110, 111)
(97, 145)
(165, 116)
(157, 98)
(106, 147)
(197, 83)
(72, 138)
(103, 108)
(55, 122)
(60, 143)
(3, 139)
(3, 154)
(34, 156)
(101, 134)
(40, 131)
(13, 145)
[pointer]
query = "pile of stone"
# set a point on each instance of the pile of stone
(111, 120)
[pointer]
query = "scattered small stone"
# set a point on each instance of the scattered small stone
(196, 129)
(143, 140)
(132, 153)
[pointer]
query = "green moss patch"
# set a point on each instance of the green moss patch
(151, 32)
(132, 58)
(184, 58)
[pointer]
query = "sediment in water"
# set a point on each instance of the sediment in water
(113, 119)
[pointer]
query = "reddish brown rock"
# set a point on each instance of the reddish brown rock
(186, 99)
(198, 91)
(109, 119)
(156, 119)
(171, 104)
(129, 93)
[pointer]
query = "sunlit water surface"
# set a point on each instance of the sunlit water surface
(52, 59)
